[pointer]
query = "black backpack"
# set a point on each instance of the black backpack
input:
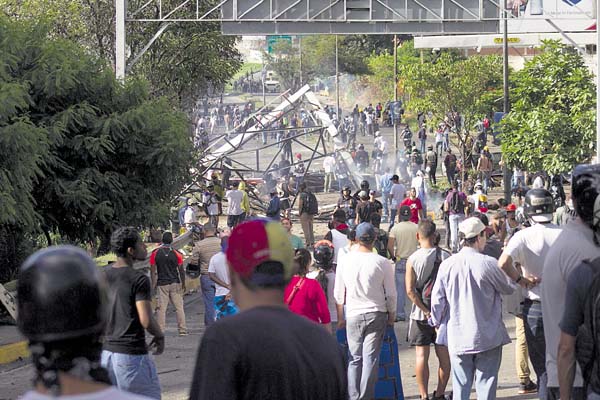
(381, 243)
(310, 204)
(587, 351)
(425, 291)
(457, 204)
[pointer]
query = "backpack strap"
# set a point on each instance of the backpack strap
(297, 287)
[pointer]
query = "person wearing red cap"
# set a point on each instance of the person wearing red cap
(265, 351)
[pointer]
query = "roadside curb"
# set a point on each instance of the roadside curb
(13, 351)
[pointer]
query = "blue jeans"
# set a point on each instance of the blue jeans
(208, 296)
(454, 219)
(385, 199)
(536, 344)
(485, 176)
(400, 288)
(365, 336)
(481, 367)
(132, 373)
(393, 212)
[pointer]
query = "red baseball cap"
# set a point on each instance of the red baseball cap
(511, 207)
(254, 242)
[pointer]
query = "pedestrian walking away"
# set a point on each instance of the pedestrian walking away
(455, 205)
(219, 274)
(575, 243)
(466, 302)
(402, 243)
(421, 273)
(265, 351)
(202, 253)
(307, 208)
(364, 283)
(168, 281)
(528, 248)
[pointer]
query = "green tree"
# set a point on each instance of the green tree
(464, 85)
(381, 67)
(551, 125)
(80, 152)
(187, 62)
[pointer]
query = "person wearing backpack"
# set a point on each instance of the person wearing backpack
(454, 205)
(381, 236)
(450, 163)
(421, 272)
(308, 208)
(431, 161)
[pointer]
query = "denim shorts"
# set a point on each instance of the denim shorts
(132, 373)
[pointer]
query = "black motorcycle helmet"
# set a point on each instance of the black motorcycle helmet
(60, 295)
(585, 189)
(361, 146)
(61, 302)
(323, 254)
(364, 185)
(539, 205)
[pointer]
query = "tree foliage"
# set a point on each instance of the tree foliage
(318, 56)
(551, 125)
(80, 152)
(469, 86)
(188, 61)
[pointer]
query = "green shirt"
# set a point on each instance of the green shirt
(297, 243)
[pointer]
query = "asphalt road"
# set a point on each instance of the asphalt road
(176, 365)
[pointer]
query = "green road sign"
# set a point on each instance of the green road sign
(273, 39)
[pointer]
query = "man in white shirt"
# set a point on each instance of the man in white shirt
(365, 284)
(211, 202)
(190, 217)
(234, 206)
(397, 194)
(574, 244)
(329, 167)
(527, 250)
(219, 274)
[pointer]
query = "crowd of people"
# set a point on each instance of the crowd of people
(272, 301)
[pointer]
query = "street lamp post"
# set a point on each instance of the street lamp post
(506, 176)
(337, 80)
(395, 89)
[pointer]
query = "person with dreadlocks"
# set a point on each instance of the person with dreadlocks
(324, 273)
(61, 300)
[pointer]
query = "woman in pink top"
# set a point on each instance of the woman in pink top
(305, 296)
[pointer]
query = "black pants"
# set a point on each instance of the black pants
(432, 175)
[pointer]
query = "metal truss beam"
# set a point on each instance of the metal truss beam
(316, 11)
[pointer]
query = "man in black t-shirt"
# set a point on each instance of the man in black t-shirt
(125, 354)
(168, 280)
(266, 351)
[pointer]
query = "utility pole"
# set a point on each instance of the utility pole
(120, 44)
(395, 88)
(300, 49)
(597, 83)
(506, 106)
(337, 80)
